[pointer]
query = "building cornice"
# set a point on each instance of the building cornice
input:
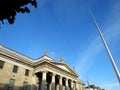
(11, 53)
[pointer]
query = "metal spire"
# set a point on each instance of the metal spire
(106, 47)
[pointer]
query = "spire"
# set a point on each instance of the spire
(106, 47)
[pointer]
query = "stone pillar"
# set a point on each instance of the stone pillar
(67, 85)
(57, 87)
(75, 86)
(43, 83)
(50, 87)
(37, 87)
(60, 83)
(53, 81)
(72, 85)
(63, 87)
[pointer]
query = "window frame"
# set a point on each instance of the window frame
(27, 71)
(15, 68)
(1, 64)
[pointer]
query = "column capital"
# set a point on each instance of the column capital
(60, 77)
(73, 81)
(44, 71)
(66, 79)
(53, 74)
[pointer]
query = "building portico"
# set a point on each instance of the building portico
(50, 81)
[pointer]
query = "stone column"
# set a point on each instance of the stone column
(60, 83)
(43, 83)
(75, 86)
(72, 85)
(50, 87)
(37, 87)
(67, 85)
(53, 81)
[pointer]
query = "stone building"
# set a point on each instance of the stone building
(93, 87)
(19, 72)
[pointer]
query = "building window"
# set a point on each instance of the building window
(11, 84)
(1, 64)
(25, 84)
(26, 72)
(15, 68)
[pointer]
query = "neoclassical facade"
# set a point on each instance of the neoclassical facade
(19, 72)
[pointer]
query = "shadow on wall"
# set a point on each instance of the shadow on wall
(8, 87)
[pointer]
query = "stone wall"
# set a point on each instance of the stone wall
(6, 73)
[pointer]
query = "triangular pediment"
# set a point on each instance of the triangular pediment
(60, 65)
(65, 67)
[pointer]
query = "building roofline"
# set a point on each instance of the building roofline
(9, 50)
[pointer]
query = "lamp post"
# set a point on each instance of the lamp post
(106, 47)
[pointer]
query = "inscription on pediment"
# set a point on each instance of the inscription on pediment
(63, 67)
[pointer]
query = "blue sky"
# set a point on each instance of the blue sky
(66, 28)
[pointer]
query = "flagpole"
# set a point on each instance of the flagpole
(106, 47)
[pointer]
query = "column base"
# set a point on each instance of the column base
(60, 87)
(53, 86)
(67, 88)
(43, 85)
